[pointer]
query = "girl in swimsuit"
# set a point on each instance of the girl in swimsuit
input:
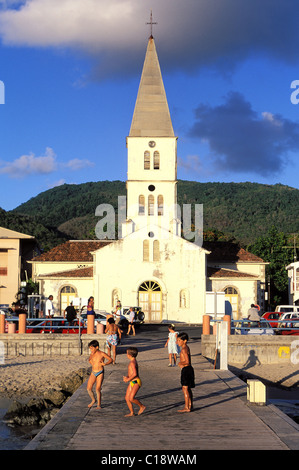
(134, 382)
(114, 335)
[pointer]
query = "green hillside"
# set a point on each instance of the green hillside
(244, 211)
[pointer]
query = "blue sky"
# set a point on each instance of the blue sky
(71, 71)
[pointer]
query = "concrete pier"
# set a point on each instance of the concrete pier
(223, 418)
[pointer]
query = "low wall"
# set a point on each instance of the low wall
(265, 349)
(48, 344)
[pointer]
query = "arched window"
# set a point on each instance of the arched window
(230, 291)
(151, 202)
(147, 162)
(141, 205)
(156, 255)
(156, 160)
(115, 297)
(160, 205)
(145, 250)
(184, 298)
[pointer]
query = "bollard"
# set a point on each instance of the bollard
(90, 324)
(206, 324)
(11, 328)
(228, 319)
(100, 329)
(22, 323)
(2, 323)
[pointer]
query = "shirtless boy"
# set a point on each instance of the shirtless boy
(187, 372)
(135, 382)
(97, 361)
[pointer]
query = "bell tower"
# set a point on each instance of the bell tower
(152, 152)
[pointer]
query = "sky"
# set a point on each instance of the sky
(69, 77)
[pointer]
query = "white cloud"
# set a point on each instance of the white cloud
(40, 165)
(31, 164)
(189, 33)
(78, 164)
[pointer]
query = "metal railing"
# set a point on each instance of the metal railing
(50, 325)
(286, 325)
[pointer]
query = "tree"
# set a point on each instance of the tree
(274, 249)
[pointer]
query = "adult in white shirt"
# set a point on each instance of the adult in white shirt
(49, 307)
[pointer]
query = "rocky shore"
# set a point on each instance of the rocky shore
(39, 386)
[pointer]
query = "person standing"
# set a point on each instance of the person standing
(49, 309)
(70, 313)
(187, 372)
(172, 345)
(131, 321)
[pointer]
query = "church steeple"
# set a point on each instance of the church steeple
(151, 115)
(152, 153)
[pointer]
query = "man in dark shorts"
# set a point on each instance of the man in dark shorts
(187, 372)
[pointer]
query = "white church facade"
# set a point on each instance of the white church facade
(151, 265)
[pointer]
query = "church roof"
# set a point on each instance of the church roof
(228, 252)
(73, 250)
(227, 273)
(70, 274)
(151, 116)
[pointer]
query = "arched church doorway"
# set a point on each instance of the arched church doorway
(231, 294)
(150, 300)
(67, 295)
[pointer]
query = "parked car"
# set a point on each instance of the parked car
(246, 327)
(139, 316)
(289, 328)
(287, 308)
(289, 324)
(272, 318)
(100, 316)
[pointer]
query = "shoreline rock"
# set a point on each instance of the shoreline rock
(39, 410)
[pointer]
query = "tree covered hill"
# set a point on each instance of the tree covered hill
(244, 211)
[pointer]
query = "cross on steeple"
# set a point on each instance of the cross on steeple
(151, 23)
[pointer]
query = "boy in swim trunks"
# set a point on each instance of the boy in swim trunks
(187, 372)
(134, 382)
(97, 361)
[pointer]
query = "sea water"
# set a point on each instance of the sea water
(13, 437)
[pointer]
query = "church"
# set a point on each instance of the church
(150, 264)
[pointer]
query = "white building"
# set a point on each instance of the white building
(151, 265)
(293, 275)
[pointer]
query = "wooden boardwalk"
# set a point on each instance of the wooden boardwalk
(222, 418)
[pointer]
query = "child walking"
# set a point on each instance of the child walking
(97, 361)
(172, 345)
(187, 372)
(134, 382)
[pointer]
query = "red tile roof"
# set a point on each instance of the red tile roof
(229, 252)
(71, 274)
(225, 273)
(73, 250)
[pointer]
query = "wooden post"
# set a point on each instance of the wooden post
(2, 323)
(90, 324)
(206, 324)
(22, 323)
